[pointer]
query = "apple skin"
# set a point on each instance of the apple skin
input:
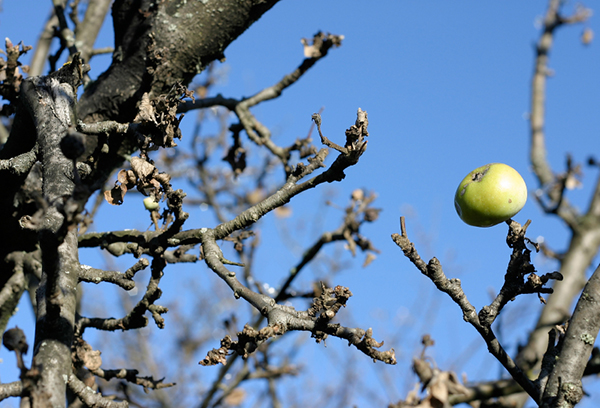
(150, 204)
(490, 194)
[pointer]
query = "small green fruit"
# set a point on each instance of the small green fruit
(490, 195)
(150, 204)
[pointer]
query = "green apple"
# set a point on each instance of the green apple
(490, 194)
(150, 204)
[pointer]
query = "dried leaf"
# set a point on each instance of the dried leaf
(438, 388)
(423, 370)
(444, 384)
(413, 396)
(283, 212)
(572, 182)
(358, 194)
(235, 397)
(115, 195)
(350, 244)
(369, 258)
(131, 178)
(371, 214)
(454, 385)
(255, 196)
(141, 167)
(122, 176)
(587, 36)
(90, 357)
(163, 178)
(146, 111)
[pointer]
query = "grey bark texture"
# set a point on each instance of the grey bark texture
(157, 46)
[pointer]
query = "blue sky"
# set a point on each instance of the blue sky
(446, 86)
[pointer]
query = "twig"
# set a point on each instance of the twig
(19, 165)
(452, 287)
(91, 398)
(136, 318)
(65, 32)
(255, 130)
(12, 389)
(585, 229)
(541, 167)
(124, 280)
(309, 255)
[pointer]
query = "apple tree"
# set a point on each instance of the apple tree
(74, 144)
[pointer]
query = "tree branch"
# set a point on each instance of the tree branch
(50, 102)
(585, 241)
(564, 388)
(91, 398)
(452, 287)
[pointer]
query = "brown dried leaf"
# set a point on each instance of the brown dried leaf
(350, 244)
(146, 111)
(122, 176)
(444, 384)
(163, 178)
(235, 397)
(131, 178)
(454, 385)
(427, 403)
(572, 182)
(587, 36)
(371, 214)
(127, 178)
(255, 196)
(423, 370)
(438, 388)
(169, 134)
(358, 194)
(283, 212)
(368, 259)
(155, 189)
(141, 167)
(90, 357)
(92, 360)
(115, 195)
(413, 396)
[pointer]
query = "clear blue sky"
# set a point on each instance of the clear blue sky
(446, 86)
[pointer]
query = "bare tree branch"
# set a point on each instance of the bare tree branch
(13, 389)
(452, 287)
(585, 241)
(564, 388)
(91, 398)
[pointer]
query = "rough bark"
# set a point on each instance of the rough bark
(50, 102)
(564, 388)
(157, 46)
(582, 249)
(160, 44)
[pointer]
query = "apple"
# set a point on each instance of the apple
(150, 204)
(489, 195)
